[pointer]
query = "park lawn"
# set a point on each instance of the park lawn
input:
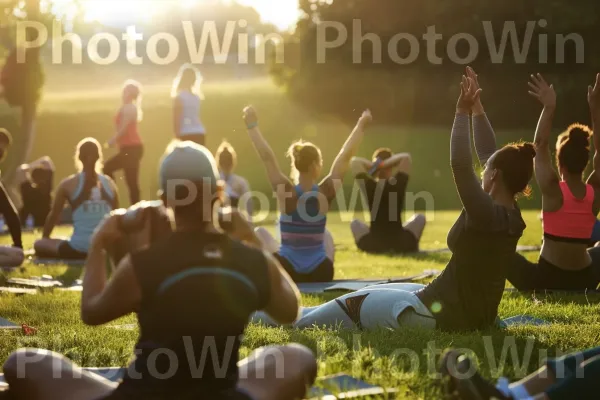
(398, 359)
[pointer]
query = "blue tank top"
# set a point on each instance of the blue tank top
(303, 232)
(90, 212)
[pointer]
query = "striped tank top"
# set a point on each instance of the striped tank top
(89, 212)
(303, 232)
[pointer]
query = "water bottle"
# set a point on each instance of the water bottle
(2, 224)
(29, 223)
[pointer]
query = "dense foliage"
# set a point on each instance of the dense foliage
(422, 87)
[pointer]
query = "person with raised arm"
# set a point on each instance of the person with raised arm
(569, 204)
(383, 183)
(216, 265)
(306, 250)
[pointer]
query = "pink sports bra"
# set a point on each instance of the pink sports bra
(574, 222)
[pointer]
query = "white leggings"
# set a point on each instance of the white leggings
(383, 306)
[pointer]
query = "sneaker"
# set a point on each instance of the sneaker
(459, 384)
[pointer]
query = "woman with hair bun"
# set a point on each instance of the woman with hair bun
(127, 138)
(306, 250)
(569, 205)
(236, 187)
(91, 196)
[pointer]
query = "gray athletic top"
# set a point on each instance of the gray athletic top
(483, 240)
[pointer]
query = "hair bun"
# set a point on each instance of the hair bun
(579, 135)
(528, 149)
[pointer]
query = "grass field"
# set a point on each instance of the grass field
(394, 359)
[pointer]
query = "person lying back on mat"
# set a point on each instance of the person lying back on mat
(10, 256)
(236, 187)
(306, 250)
(198, 264)
(573, 376)
(569, 204)
(484, 238)
(35, 181)
(91, 196)
(383, 183)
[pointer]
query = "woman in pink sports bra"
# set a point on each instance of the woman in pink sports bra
(569, 205)
(128, 140)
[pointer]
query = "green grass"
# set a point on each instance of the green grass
(382, 357)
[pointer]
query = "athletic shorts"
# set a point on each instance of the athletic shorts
(66, 252)
(199, 138)
(323, 272)
(402, 241)
(525, 275)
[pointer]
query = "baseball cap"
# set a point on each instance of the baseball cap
(188, 162)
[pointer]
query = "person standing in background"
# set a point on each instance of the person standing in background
(187, 98)
(128, 140)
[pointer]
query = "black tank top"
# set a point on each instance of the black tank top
(198, 292)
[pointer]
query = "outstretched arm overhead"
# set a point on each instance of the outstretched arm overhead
(401, 162)
(485, 139)
(279, 181)
(342, 162)
(594, 102)
(477, 203)
(544, 170)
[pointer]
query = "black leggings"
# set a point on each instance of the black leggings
(128, 159)
(577, 376)
(525, 275)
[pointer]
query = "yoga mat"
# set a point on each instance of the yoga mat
(520, 320)
(35, 283)
(6, 324)
(32, 258)
(344, 386)
(352, 285)
(552, 291)
(521, 249)
(17, 291)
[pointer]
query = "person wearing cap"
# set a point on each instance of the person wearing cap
(383, 184)
(193, 290)
(10, 256)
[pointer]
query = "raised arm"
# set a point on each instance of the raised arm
(360, 165)
(342, 161)
(484, 137)
(478, 204)
(401, 162)
(58, 205)
(43, 162)
(8, 210)
(545, 173)
(276, 177)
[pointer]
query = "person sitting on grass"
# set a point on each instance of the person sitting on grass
(236, 187)
(466, 296)
(35, 182)
(306, 250)
(574, 376)
(10, 256)
(227, 276)
(569, 204)
(383, 183)
(91, 196)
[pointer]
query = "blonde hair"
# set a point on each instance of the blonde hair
(89, 149)
(134, 89)
(183, 80)
(302, 155)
